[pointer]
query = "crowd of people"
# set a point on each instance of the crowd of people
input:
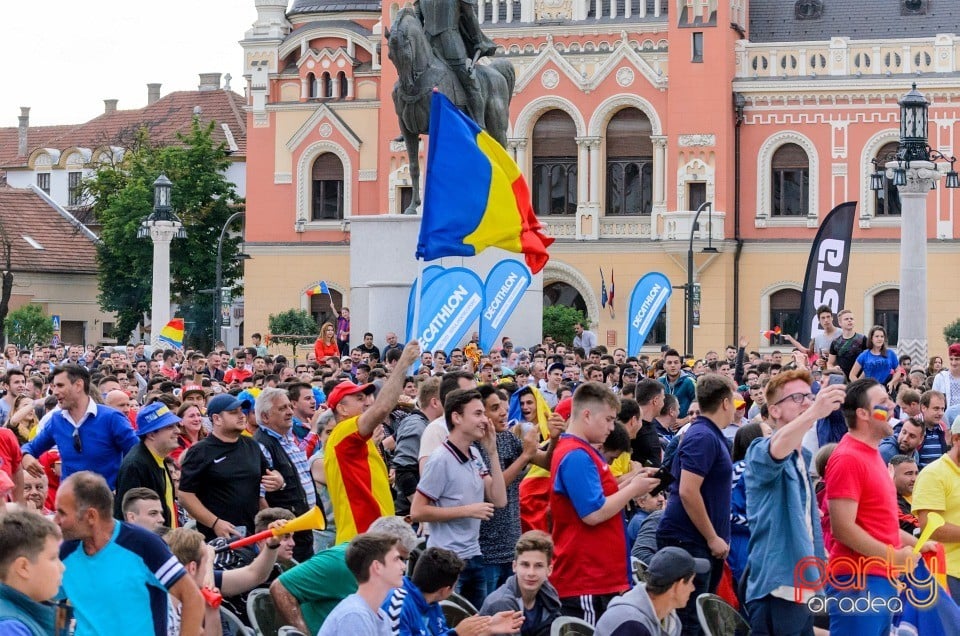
(525, 483)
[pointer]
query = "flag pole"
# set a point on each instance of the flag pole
(416, 299)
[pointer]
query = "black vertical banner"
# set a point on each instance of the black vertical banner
(826, 279)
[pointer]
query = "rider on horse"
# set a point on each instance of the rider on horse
(455, 35)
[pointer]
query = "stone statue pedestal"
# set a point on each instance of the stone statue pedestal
(383, 267)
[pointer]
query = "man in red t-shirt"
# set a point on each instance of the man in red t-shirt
(587, 507)
(863, 513)
(10, 458)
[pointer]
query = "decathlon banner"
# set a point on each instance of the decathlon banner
(449, 306)
(429, 274)
(826, 280)
(502, 292)
(649, 296)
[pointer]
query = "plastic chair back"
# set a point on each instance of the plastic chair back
(262, 613)
(718, 618)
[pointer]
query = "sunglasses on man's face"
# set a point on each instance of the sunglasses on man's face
(77, 442)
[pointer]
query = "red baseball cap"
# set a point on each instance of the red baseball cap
(564, 407)
(346, 388)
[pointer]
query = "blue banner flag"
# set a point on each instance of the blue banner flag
(502, 292)
(649, 296)
(603, 290)
(928, 609)
(428, 275)
(449, 307)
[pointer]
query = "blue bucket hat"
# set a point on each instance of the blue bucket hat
(154, 417)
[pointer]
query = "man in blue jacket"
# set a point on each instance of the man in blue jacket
(90, 436)
(782, 507)
(30, 573)
(414, 608)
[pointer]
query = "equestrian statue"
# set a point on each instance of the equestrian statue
(437, 44)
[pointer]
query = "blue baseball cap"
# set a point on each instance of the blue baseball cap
(154, 417)
(221, 403)
(247, 399)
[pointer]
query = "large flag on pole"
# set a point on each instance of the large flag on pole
(475, 196)
(826, 279)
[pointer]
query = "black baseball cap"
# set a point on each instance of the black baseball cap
(671, 564)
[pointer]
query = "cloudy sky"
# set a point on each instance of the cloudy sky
(64, 57)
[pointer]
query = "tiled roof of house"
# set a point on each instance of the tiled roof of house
(776, 20)
(42, 239)
(166, 117)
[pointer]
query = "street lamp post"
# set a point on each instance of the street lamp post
(688, 291)
(914, 170)
(162, 226)
(218, 292)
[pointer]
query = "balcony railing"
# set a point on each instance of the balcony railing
(843, 57)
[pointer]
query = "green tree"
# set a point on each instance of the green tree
(558, 322)
(202, 198)
(292, 327)
(29, 325)
(951, 334)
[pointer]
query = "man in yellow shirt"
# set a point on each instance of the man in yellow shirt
(938, 490)
(356, 473)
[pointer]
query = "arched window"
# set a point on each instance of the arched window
(555, 164)
(785, 313)
(886, 313)
(327, 178)
(326, 85)
(342, 84)
(564, 294)
(887, 200)
(312, 86)
(320, 307)
(790, 182)
(629, 164)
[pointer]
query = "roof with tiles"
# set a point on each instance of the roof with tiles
(171, 114)
(777, 21)
(43, 240)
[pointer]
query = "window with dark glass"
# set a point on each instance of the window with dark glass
(696, 194)
(43, 181)
(785, 313)
(555, 164)
(697, 47)
(886, 313)
(73, 188)
(327, 184)
(887, 200)
(312, 86)
(342, 81)
(629, 164)
(790, 183)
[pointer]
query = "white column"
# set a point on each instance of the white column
(594, 171)
(583, 169)
(304, 88)
(659, 169)
(521, 150)
(913, 257)
(334, 86)
(161, 232)
(349, 88)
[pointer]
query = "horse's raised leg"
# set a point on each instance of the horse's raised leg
(412, 141)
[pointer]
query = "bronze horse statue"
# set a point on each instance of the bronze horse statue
(420, 70)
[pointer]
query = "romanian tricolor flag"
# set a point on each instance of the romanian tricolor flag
(319, 289)
(475, 195)
(172, 334)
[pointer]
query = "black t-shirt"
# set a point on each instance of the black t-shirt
(646, 445)
(847, 350)
(225, 477)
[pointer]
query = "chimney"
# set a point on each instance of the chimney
(22, 128)
(209, 82)
(153, 93)
(109, 106)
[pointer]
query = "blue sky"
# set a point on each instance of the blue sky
(63, 58)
